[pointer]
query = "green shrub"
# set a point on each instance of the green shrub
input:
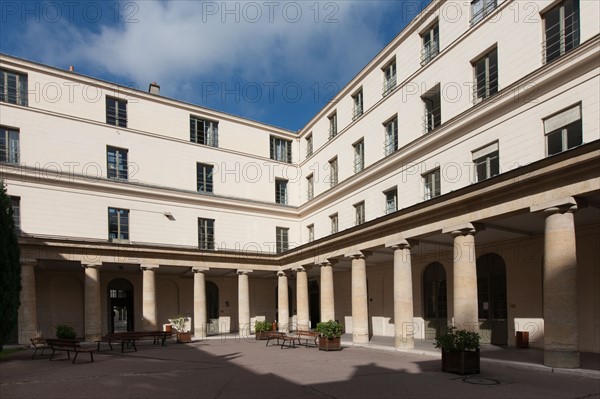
(261, 326)
(330, 329)
(455, 340)
(65, 332)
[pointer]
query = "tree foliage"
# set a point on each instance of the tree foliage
(10, 269)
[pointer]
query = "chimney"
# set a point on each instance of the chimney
(154, 88)
(71, 68)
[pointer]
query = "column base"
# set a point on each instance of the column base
(360, 338)
(561, 359)
(401, 342)
(92, 337)
(200, 333)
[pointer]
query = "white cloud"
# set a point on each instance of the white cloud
(181, 41)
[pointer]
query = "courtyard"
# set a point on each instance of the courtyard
(230, 367)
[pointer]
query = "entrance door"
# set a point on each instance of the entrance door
(314, 303)
(491, 299)
(120, 305)
(212, 308)
(435, 300)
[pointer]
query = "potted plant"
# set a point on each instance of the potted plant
(329, 335)
(460, 350)
(261, 328)
(182, 325)
(65, 332)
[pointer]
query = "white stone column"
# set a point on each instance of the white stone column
(404, 325)
(149, 297)
(243, 303)
(465, 277)
(283, 302)
(561, 335)
(327, 294)
(302, 298)
(92, 308)
(360, 302)
(27, 326)
(199, 302)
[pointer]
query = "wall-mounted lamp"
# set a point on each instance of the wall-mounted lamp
(169, 215)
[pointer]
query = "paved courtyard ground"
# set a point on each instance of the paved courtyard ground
(230, 368)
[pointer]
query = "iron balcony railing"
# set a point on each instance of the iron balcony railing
(389, 84)
(430, 51)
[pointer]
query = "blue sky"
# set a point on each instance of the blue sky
(277, 62)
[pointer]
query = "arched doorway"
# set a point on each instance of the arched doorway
(435, 299)
(491, 299)
(314, 303)
(212, 307)
(120, 305)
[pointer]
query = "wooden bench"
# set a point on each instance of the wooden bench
(128, 339)
(39, 343)
(307, 336)
(68, 345)
(283, 337)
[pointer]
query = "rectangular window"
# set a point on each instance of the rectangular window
(390, 144)
(15, 203)
(206, 234)
(203, 131)
(333, 130)
(333, 176)
(310, 187)
(116, 112)
(431, 44)
(281, 193)
(389, 77)
(359, 210)
(334, 223)
(391, 200)
(281, 242)
(204, 178)
(563, 130)
(359, 155)
(357, 109)
(481, 8)
(433, 109)
(431, 181)
(309, 145)
(311, 232)
(9, 145)
(281, 149)
(486, 162)
(561, 25)
(118, 224)
(486, 76)
(13, 87)
(116, 159)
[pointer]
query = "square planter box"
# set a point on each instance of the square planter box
(465, 362)
(330, 344)
(262, 335)
(184, 337)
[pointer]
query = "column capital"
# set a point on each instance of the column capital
(281, 273)
(148, 267)
(327, 262)
(464, 229)
(561, 205)
(199, 269)
(299, 268)
(402, 244)
(358, 254)
(91, 265)
(28, 261)
(243, 271)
